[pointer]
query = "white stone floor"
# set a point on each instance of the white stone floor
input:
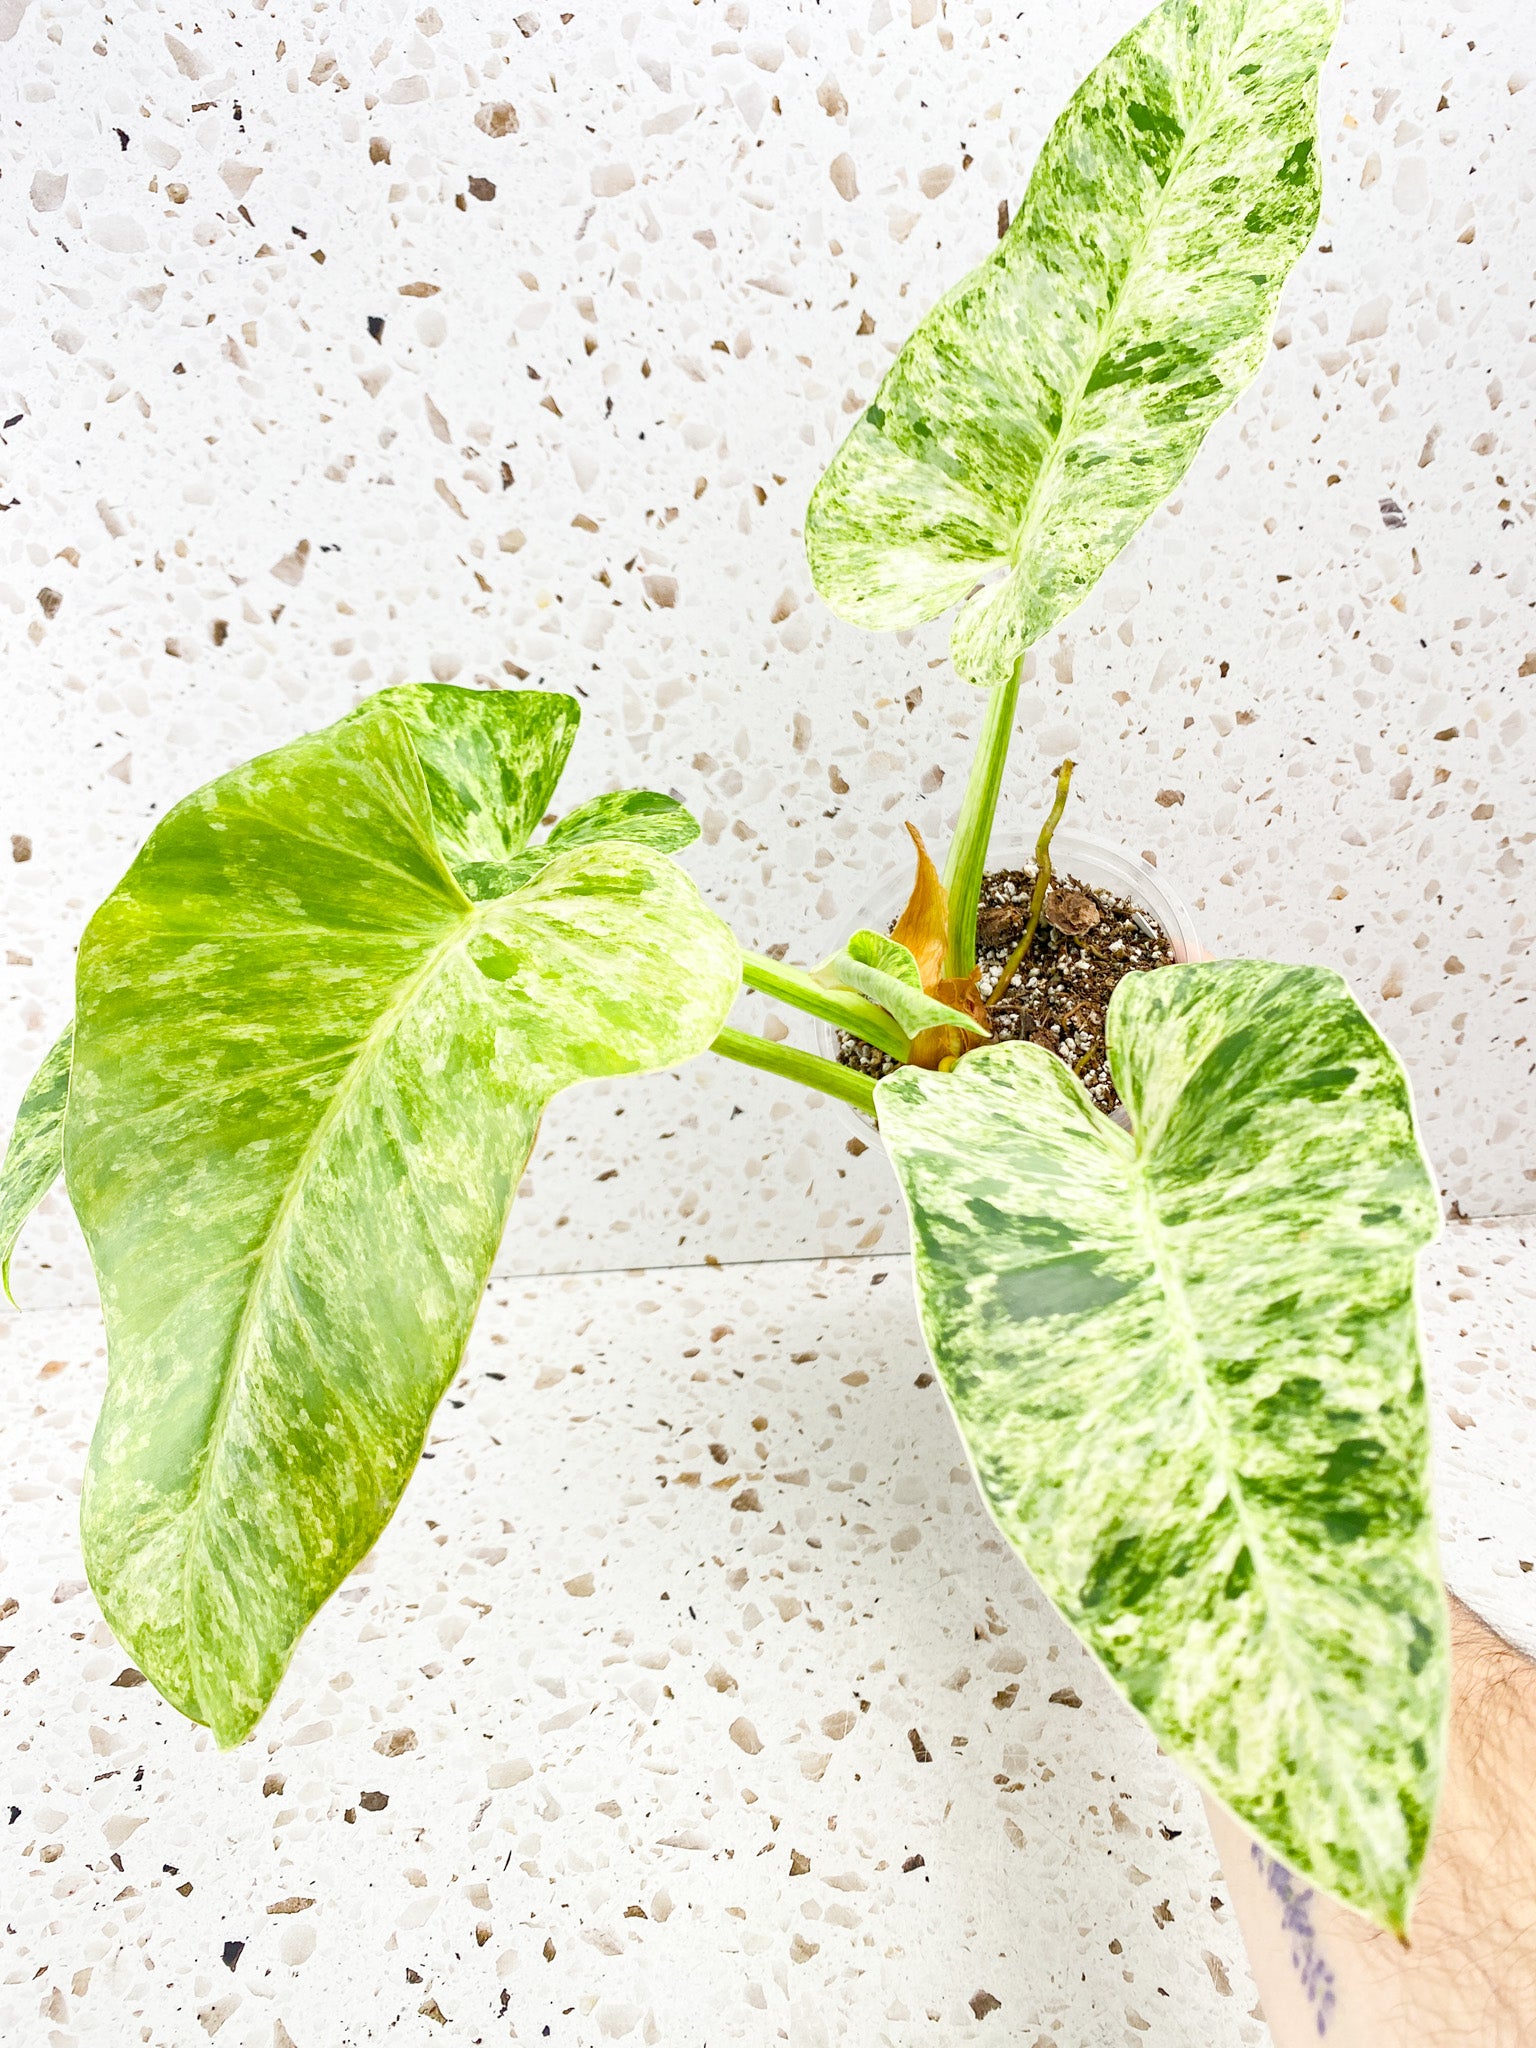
(690, 1699)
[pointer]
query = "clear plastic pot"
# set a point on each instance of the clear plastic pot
(1074, 856)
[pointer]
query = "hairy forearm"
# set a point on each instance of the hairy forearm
(1468, 1974)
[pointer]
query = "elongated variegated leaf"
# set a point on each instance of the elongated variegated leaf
(307, 1074)
(1186, 1366)
(34, 1156)
(1052, 400)
(886, 972)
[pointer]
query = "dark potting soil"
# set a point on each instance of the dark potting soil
(1087, 940)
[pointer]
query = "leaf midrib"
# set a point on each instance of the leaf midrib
(370, 1049)
(1170, 1282)
(1275, 1620)
(1046, 474)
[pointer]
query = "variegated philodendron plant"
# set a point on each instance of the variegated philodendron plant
(318, 1020)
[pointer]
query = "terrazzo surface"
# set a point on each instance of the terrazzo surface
(345, 344)
(691, 1698)
(348, 344)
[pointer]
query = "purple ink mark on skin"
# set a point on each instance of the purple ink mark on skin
(1295, 1901)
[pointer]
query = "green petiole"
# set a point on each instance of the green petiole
(967, 860)
(808, 1068)
(849, 1012)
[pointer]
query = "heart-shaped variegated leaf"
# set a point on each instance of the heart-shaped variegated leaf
(886, 972)
(1186, 1367)
(1055, 397)
(34, 1157)
(308, 1070)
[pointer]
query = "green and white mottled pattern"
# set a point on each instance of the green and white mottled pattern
(307, 1074)
(1186, 1366)
(643, 816)
(34, 1155)
(490, 778)
(886, 973)
(1055, 397)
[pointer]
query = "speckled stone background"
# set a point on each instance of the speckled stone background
(347, 344)
(689, 1639)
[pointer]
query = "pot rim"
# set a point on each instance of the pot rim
(1076, 856)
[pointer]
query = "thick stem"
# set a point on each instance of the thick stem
(967, 859)
(849, 1012)
(1020, 952)
(808, 1068)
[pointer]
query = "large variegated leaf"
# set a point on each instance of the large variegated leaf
(1052, 400)
(307, 1074)
(34, 1155)
(1186, 1366)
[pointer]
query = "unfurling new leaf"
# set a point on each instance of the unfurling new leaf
(1186, 1366)
(886, 973)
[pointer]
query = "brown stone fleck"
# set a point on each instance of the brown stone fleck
(497, 120)
(745, 1736)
